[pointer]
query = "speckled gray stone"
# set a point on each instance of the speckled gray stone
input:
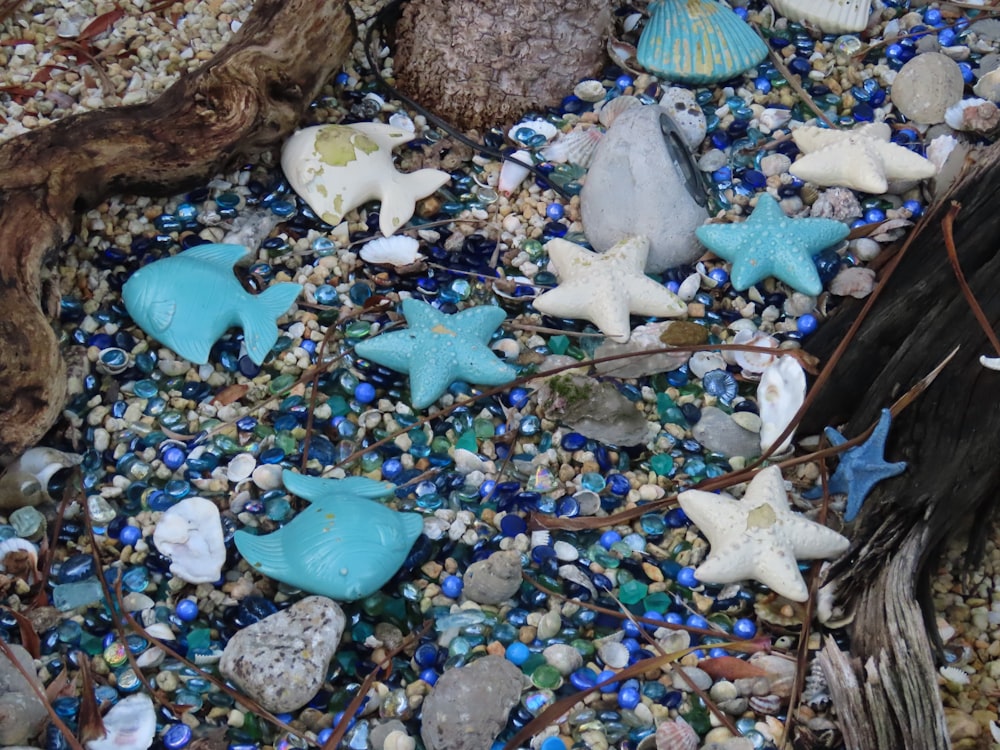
(493, 580)
(282, 660)
(926, 86)
(633, 186)
(468, 706)
(22, 714)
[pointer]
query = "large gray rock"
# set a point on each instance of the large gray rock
(717, 431)
(635, 186)
(22, 713)
(926, 86)
(594, 409)
(282, 660)
(469, 706)
(493, 580)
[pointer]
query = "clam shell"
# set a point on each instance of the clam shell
(240, 467)
(754, 363)
(519, 133)
(589, 90)
(781, 391)
(610, 111)
(576, 146)
(398, 250)
(703, 362)
(830, 16)
(676, 735)
(698, 41)
(613, 654)
(267, 477)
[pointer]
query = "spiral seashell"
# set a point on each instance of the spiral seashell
(780, 393)
(43, 463)
(610, 111)
(576, 146)
(766, 704)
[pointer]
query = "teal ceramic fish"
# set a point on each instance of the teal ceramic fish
(697, 41)
(345, 545)
(187, 301)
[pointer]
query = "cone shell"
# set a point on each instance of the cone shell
(829, 16)
(576, 146)
(697, 41)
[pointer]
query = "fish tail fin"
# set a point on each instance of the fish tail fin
(260, 315)
(264, 553)
(413, 526)
(399, 196)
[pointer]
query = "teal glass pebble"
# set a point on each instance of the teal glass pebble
(189, 300)
(345, 545)
(69, 596)
(28, 523)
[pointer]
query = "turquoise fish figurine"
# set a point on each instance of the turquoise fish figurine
(697, 41)
(187, 301)
(345, 545)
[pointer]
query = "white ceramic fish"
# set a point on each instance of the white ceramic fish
(336, 168)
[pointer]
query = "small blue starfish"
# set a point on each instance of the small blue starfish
(771, 244)
(861, 467)
(438, 349)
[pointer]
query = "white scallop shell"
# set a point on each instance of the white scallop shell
(541, 127)
(576, 146)
(754, 363)
(267, 477)
(830, 16)
(590, 90)
(398, 250)
(702, 362)
(240, 467)
(610, 111)
(954, 675)
(613, 654)
(512, 174)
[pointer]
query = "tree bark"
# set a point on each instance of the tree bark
(949, 438)
(245, 100)
(479, 63)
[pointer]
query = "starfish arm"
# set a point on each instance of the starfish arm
(430, 377)
(767, 486)
(649, 297)
(777, 569)
(568, 300)
(854, 164)
(479, 322)
(834, 437)
(902, 164)
(799, 273)
(721, 239)
(808, 540)
(476, 363)
(566, 256)
(728, 563)
(394, 349)
(630, 253)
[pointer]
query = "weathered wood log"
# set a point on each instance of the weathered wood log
(480, 63)
(949, 438)
(245, 100)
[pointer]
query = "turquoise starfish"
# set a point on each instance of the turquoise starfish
(438, 349)
(861, 467)
(771, 244)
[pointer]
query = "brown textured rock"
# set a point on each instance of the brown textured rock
(478, 63)
(493, 580)
(469, 705)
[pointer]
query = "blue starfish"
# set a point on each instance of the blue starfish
(771, 244)
(438, 349)
(861, 467)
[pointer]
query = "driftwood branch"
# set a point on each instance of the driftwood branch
(886, 691)
(245, 100)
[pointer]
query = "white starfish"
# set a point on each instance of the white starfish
(863, 158)
(759, 537)
(605, 288)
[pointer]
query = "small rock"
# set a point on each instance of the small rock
(594, 409)
(281, 661)
(468, 706)
(717, 432)
(643, 338)
(961, 725)
(683, 108)
(493, 580)
(836, 203)
(22, 714)
(632, 176)
(774, 164)
(988, 86)
(699, 677)
(926, 86)
(380, 733)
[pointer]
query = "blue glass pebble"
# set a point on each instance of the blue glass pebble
(186, 610)
(914, 207)
(611, 687)
(129, 535)
(429, 676)
(686, 577)
(552, 743)
(618, 484)
(696, 621)
(364, 393)
(744, 628)
(512, 525)
(555, 211)
(517, 653)
(451, 587)
(426, 655)
(716, 653)
(629, 697)
(608, 538)
(177, 736)
(623, 82)
(807, 324)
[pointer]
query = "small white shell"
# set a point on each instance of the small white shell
(702, 362)
(954, 676)
(781, 391)
(590, 90)
(754, 363)
(540, 538)
(576, 146)
(974, 115)
(539, 127)
(613, 654)
(16, 544)
(240, 467)
(513, 174)
(589, 502)
(398, 250)
(267, 477)
(402, 120)
(831, 17)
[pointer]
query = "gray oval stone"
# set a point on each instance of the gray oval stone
(926, 86)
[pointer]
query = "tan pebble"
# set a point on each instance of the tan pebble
(652, 572)
(526, 634)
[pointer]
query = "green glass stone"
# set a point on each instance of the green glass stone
(545, 278)
(370, 462)
(467, 441)
(533, 248)
(632, 592)
(286, 442)
(658, 602)
(576, 353)
(28, 523)
(199, 638)
(546, 677)
(584, 646)
(483, 428)
(558, 344)
(281, 383)
(533, 662)
(357, 329)
(662, 464)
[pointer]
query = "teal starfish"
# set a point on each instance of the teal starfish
(771, 244)
(861, 467)
(438, 349)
